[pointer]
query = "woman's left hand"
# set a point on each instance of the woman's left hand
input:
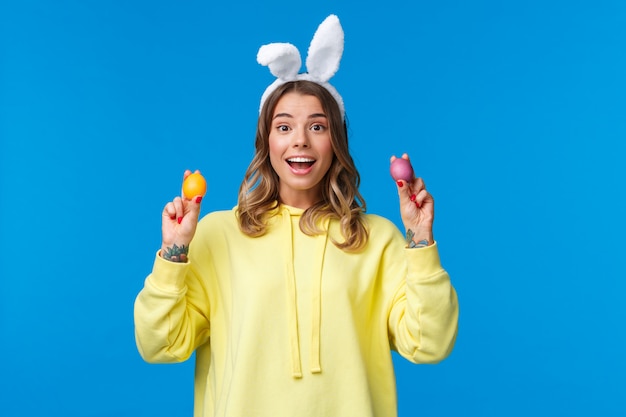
(417, 209)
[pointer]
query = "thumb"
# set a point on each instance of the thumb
(194, 206)
(404, 192)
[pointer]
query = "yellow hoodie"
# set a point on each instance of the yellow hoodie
(288, 325)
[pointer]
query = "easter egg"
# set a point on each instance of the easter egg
(401, 169)
(194, 185)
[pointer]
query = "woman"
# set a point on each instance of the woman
(294, 299)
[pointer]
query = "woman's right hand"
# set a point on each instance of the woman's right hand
(179, 221)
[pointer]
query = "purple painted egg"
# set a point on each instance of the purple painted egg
(401, 169)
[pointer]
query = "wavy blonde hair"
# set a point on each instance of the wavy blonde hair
(340, 197)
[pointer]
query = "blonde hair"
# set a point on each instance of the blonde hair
(340, 199)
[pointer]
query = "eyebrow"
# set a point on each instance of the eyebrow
(311, 116)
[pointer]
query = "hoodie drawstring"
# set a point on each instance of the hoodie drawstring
(316, 325)
(292, 305)
(316, 313)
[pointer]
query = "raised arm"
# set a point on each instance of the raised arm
(171, 311)
(424, 314)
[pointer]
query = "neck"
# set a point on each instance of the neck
(301, 201)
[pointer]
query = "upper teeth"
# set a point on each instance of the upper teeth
(300, 159)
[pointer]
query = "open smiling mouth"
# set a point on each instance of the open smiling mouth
(300, 163)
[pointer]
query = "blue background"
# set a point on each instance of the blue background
(512, 111)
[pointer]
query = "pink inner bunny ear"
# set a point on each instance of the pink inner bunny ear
(326, 48)
(283, 59)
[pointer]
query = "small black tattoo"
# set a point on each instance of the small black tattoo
(176, 253)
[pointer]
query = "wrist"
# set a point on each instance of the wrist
(174, 252)
(419, 238)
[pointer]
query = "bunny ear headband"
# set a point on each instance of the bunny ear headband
(322, 62)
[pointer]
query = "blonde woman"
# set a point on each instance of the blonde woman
(294, 299)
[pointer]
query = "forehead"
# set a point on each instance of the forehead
(294, 103)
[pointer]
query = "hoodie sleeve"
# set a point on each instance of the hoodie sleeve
(424, 312)
(171, 313)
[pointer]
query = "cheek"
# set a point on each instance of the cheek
(275, 151)
(326, 149)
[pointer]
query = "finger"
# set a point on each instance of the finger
(418, 185)
(420, 197)
(179, 209)
(404, 156)
(185, 175)
(193, 207)
(404, 192)
(412, 188)
(169, 211)
(188, 173)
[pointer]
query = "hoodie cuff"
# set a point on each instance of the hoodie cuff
(168, 276)
(423, 262)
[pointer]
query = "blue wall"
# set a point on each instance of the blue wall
(513, 112)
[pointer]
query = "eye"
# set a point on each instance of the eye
(282, 128)
(318, 127)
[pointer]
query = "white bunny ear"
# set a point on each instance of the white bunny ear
(283, 59)
(325, 51)
(322, 62)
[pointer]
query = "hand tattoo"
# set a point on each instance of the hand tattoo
(411, 243)
(176, 253)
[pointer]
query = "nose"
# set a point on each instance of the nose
(300, 139)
